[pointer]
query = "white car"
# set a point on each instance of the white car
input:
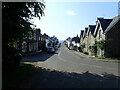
(51, 50)
(56, 47)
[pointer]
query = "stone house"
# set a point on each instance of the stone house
(91, 40)
(101, 25)
(29, 43)
(81, 40)
(112, 36)
(85, 40)
(43, 41)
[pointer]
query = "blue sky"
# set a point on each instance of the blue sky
(66, 19)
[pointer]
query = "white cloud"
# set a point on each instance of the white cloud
(70, 13)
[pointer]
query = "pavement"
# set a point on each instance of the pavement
(95, 58)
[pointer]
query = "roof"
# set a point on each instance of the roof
(104, 23)
(86, 29)
(114, 21)
(91, 28)
(76, 39)
(81, 33)
(85, 32)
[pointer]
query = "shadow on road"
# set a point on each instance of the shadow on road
(45, 78)
(41, 56)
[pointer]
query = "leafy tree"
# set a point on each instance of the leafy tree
(16, 18)
(16, 24)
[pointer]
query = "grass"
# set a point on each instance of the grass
(12, 79)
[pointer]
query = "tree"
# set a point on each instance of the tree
(16, 18)
(16, 24)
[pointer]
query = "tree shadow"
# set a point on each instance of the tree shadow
(38, 57)
(46, 78)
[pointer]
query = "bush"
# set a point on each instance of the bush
(80, 49)
(93, 50)
(86, 53)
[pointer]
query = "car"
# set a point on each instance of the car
(56, 47)
(50, 50)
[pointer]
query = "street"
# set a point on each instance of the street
(69, 69)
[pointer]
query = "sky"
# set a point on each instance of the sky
(66, 19)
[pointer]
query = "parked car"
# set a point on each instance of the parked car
(56, 47)
(50, 50)
(59, 45)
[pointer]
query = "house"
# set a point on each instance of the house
(55, 40)
(33, 41)
(81, 40)
(69, 43)
(37, 33)
(51, 41)
(112, 36)
(29, 43)
(101, 25)
(81, 35)
(85, 40)
(75, 42)
(91, 40)
(44, 39)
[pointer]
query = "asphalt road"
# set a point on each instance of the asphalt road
(67, 68)
(71, 61)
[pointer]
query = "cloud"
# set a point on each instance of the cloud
(70, 13)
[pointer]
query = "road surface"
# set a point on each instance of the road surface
(68, 69)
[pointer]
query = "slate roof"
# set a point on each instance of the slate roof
(86, 29)
(76, 39)
(114, 21)
(81, 33)
(104, 23)
(85, 32)
(91, 29)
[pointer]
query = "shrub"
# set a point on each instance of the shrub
(100, 44)
(86, 53)
(80, 49)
